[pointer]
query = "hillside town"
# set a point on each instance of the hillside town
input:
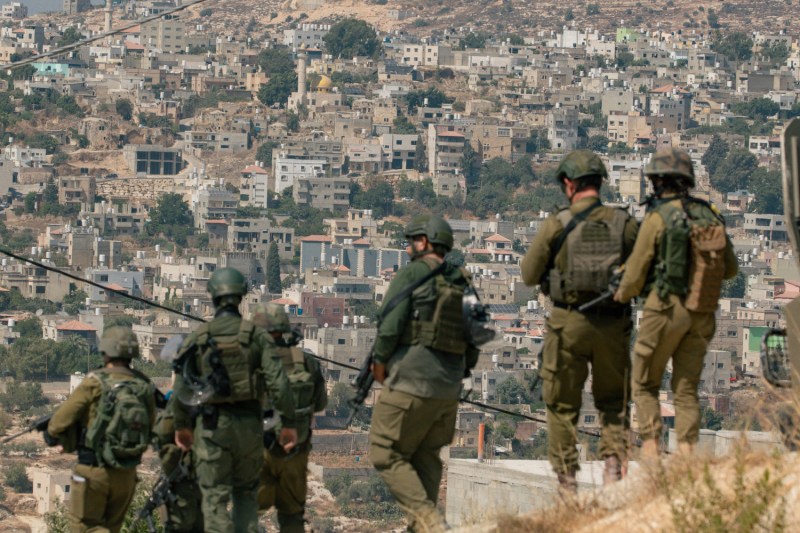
(295, 149)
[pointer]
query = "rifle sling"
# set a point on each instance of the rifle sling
(562, 237)
(407, 290)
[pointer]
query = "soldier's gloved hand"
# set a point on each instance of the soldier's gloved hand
(379, 372)
(288, 439)
(184, 438)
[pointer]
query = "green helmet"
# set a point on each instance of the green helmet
(119, 342)
(271, 317)
(580, 164)
(672, 163)
(434, 227)
(227, 282)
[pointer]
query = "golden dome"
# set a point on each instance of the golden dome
(324, 83)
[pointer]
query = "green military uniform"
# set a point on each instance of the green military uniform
(228, 442)
(184, 512)
(571, 341)
(99, 495)
(416, 412)
(667, 330)
(284, 476)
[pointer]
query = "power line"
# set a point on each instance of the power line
(73, 46)
(99, 285)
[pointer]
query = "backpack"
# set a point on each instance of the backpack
(227, 361)
(692, 258)
(301, 383)
(120, 431)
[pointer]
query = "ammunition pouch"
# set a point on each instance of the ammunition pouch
(87, 456)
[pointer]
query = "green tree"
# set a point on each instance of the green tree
(715, 154)
(273, 269)
(120, 320)
(16, 478)
(278, 89)
(43, 140)
(766, 186)
(30, 202)
(74, 302)
(264, 152)
(403, 126)
(29, 328)
(537, 143)
(512, 391)
(710, 419)
(71, 35)
(352, 37)
(472, 40)
(569, 15)
(433, 96)
(22, 396)
(776, 53)
(757, 109)
(597, 143)
(338, 405)
(592, 9)
(471, 166)
(292, 121)
(713, 19)
(124, 108)
(456, 257)
(734, 172)
(735, 287)
(378, 196)
(172, 218)
(735, 46)
(276, 60)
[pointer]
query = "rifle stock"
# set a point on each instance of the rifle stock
(160, 495)
(362, 384)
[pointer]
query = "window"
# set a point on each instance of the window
(40, 289)
(104, 277)
(720, 365)
(340, 341)
(588, 419)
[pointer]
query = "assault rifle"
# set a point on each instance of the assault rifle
(613, 285)
(39, 425)
(160, 495)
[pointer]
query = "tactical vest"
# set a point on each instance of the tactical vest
(691, 258)
(301, 382)
(120, 432)
(594, 249)
(437, 317)
(237, 363)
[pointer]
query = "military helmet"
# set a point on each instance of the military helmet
(434, 227)
(271, 317)
(119, 342)
(672, 163)
(227, 282)
(580, 164)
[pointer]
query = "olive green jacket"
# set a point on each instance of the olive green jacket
(417, 369)
(534, 264)
(639, 267)
(262, 349)
(81, 406)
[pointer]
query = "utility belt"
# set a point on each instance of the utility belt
(210, 412)
(86, 456)
(615, 311)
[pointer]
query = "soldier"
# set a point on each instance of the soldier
(420, 356)
(682, 292)
(283, 477)
(113, 410)
(572, 257)
(223, 368)
(184, 511)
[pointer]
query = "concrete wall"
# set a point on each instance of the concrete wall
(324, 473)
(345, 443)
(722, 443)
(480, 491)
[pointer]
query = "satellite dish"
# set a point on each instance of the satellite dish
(39, 312)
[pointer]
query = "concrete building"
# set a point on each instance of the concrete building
(445, 148)
(14, 10)
(288, 170)
(562, 128)
(399, 151)
(72, 7)
(213, 204)
(322, 192)
(151, 159)
(51, 488)
(306, 35)
(213, 140)
(717, 372)
(167, 34)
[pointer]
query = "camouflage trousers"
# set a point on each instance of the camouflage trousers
(229, 460)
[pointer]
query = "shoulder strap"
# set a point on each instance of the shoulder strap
(692, 200)
(571, 224)
(245, 332)
(408, 289)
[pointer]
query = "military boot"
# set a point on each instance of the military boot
(613, 470)
(567, 482)
(428, 520)
(291, 523)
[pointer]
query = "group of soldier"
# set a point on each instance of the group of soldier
(212, 434)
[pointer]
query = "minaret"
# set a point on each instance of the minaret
(108, 16)
(301, 76)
